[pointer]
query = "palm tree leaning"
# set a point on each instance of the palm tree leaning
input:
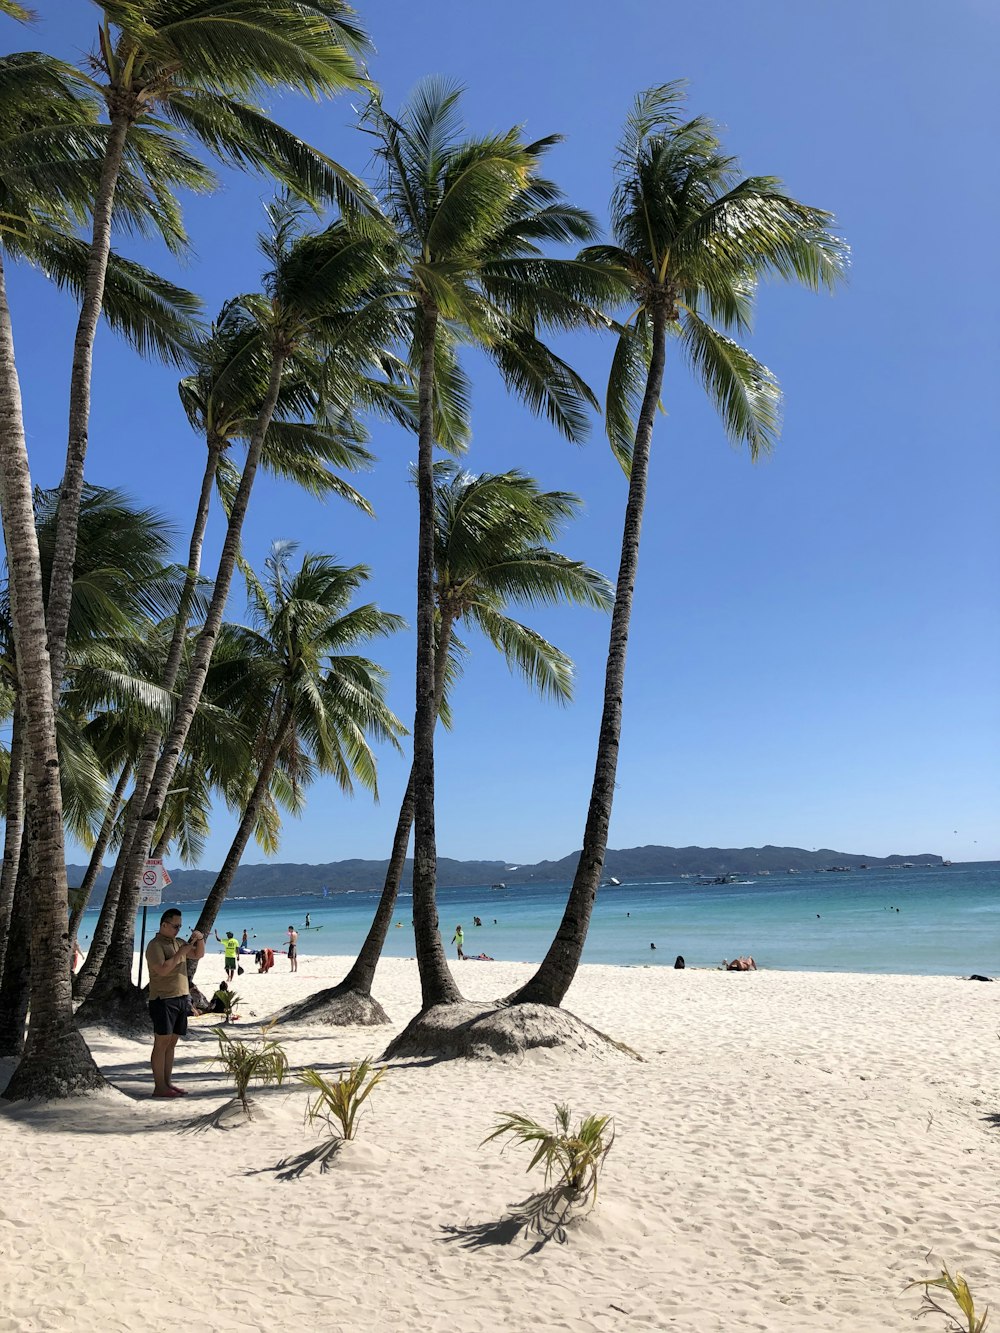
(316, 702)
(46, 186)
(464, 221)
(198, 65)
(691, 242)
(313, 284)
(221, 398)
(120, 580)
(491, 553)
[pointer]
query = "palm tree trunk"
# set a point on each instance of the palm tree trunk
(97, 855)
(16, 985)
(362, 975)
(71, 489)
(116, 970)
(437, 985)
(83, 982)
(56, 1061)
(558, 968)
(224, 879)
(14, 828)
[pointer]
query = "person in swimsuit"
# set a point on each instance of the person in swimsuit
(293, 948)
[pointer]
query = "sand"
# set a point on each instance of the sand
(789, 1152)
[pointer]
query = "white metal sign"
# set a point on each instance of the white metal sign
(153, 880)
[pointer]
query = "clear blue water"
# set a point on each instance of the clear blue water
(948, 921)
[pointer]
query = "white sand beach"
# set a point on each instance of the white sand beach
(788, 1151)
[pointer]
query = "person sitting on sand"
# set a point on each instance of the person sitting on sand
(740, 965)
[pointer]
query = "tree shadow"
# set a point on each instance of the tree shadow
(291, 1168)
(993, 1118)
(544, 1216)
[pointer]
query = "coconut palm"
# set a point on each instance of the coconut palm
(491, 553)
(199, 65)
(49, 141)
(221, 399)
(120, 581)
(691, 242)
(314, 282)
(465, 222)
(316, 701)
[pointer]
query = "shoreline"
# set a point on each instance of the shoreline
(788, 1151)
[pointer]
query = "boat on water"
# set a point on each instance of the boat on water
(610, 882)
(501, 885)
(731, 878)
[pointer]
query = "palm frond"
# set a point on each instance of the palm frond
(745, 393)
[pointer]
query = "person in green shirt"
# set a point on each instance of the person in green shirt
(459, 939)
(232, 947)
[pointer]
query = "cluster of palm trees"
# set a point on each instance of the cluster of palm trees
(133, 703)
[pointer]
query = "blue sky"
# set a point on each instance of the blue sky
(814, 652)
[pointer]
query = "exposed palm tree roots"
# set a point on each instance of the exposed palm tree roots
(335, 1007)
(489, 1032)
(122, 1009)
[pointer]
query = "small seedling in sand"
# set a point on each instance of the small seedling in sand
(229, 1000)
(958, 1289)
(339, 1103)
(260, 1061)
(572, 1158)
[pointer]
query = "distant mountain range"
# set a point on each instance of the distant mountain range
(277, 881)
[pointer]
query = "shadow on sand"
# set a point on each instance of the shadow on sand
(545, 1216)
(291, 1168)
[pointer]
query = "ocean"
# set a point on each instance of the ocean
(937, 921)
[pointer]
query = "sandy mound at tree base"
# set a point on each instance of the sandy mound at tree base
(492, 1032)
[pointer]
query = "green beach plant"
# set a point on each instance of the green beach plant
(229, 1000)
(339, 1103)
(958, 1289)
(262, 1060)
(573, 1158)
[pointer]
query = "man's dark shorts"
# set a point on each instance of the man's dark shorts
(170, 1017)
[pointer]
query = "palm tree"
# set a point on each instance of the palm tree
(120, 580)
(194, 63)
(491, 553)
(316, 702)
(465, 220)
(691, 242)
(221, 399)
(313, 284)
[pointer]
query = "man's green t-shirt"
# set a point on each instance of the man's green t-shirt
(231, 946)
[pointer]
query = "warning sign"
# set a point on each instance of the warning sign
(153, 880)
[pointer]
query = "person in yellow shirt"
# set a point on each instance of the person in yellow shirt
(169, 995)
(232, 947)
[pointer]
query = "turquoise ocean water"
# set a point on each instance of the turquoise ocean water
(947, 922)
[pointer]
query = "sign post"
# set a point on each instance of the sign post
(153, 880)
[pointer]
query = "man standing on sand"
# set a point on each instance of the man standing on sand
(459, 939)
(232, 947)
(293, 948)
(169, 998)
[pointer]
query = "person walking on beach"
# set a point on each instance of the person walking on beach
(459, 939)
(169, 996)
(232, 947)
(293, 948)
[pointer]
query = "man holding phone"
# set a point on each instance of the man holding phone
(169, 995)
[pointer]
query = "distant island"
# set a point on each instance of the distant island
(278, 881)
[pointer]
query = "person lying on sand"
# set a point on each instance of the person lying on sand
(740, 965)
